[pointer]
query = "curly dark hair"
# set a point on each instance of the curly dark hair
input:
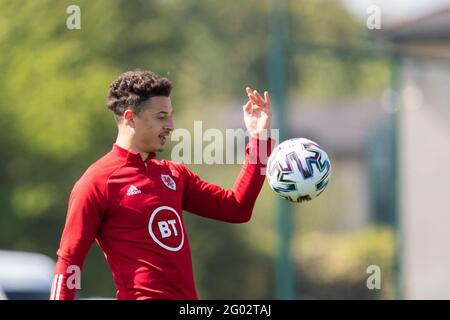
(132, 88)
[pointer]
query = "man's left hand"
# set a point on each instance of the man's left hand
(257, 114)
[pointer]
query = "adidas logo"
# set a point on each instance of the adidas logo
(133, 190)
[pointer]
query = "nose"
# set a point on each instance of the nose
(169, 125)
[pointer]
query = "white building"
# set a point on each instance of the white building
(423, 48)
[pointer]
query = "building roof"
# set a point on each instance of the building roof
(434, 26)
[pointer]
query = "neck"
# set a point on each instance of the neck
(126, 141)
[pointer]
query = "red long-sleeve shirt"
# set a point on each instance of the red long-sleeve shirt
(133, 209)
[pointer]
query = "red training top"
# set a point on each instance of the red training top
(133, 209)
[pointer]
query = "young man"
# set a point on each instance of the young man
(131, 203)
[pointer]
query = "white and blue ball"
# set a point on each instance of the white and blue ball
(298, 170)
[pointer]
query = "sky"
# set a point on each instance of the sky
(396, 11)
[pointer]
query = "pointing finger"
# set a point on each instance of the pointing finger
(267, 97)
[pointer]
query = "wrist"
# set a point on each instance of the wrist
(263, 135)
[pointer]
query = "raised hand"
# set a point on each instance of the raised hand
(257, 114)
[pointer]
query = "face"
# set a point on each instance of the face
(153, 125)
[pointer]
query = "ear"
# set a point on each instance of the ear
(128, 117)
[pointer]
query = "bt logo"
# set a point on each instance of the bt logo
(166, 229)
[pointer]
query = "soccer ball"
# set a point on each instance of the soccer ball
(298, 170)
